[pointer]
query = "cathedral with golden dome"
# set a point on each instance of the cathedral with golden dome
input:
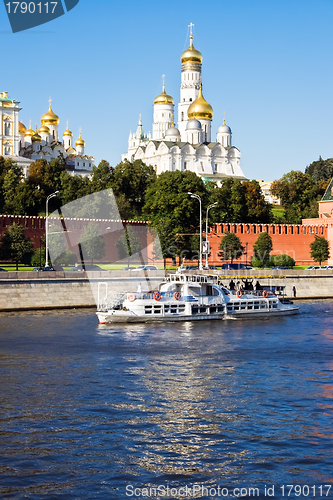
(188, 146)
(27, 145)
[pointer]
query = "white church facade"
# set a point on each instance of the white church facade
(189, 146)
(27, 145)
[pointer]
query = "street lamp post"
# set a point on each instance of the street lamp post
(208, 208)
(200, 250)
(246, 251)
(47, 227)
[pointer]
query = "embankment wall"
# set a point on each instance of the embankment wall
(63, 290)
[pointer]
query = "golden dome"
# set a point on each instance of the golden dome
(191, 54)
(44, 130)
(22, 128)
(80, 141)
(50, 118)
(36, 137)
(200, 108)
(29, 132)
(67, 132)
(163, 98)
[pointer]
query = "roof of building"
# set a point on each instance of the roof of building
(328, 196)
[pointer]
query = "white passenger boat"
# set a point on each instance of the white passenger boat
(184, 297)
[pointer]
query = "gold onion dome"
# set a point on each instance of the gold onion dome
(191, 54)
(29, 132)
(36, 137)
(44, 130)
(200, 108)
(163, 98)
(50, 118)
(67, 133)
(80, 141)
(22, 128)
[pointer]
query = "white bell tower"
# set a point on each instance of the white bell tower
(191, 60)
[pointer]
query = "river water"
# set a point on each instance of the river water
(219, 409)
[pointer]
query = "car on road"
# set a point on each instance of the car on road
(147, 268)
(235, 266)
(86, 267)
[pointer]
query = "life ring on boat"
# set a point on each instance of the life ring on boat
(157, 296)
(176, 295)
(265, 294)
(131, 297)
(239, 293)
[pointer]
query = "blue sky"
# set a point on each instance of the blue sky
(267, 64)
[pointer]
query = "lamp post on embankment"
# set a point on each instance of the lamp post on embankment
(207, 249)
(200, 250)
(47, 227)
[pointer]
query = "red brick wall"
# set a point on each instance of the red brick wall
(293, 240)
(111, 230)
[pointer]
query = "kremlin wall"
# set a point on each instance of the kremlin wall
(293, 240)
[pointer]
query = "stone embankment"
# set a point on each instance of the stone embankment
(55, 290)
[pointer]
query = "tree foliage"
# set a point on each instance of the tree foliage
(262, 249)
(282, 260)
(15, 245)
(231, 247)
(92, 242)
(299, 195)
(172, 211)
(128, 243)
(320, 170)
(320, 249)
(239, 201)
(130, 182)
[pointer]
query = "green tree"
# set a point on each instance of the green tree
(92, 242)
(231, 247)
(320, 170)
(320, 249)
(238, 202)
(10, 175)
(282, 260)
(130, 182)
(299, 196)
(15, 245)
(38, 258)
(128, 243)
(11, 182)
(262, 249)
(101, 177)
(172, 211)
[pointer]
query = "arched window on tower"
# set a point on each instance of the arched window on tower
(182, 115)
(190, 99)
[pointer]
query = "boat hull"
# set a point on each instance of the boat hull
(286, 311)
(112, 317)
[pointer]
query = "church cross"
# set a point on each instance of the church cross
(50, 100)
(191, 26)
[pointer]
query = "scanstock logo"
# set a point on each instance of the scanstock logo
(25, 15)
